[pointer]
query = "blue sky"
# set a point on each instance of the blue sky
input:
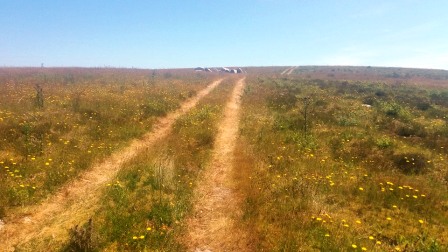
(182, 33)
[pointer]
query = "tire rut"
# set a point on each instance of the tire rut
(289, 70)
(213, 224)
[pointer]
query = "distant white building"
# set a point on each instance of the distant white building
(224, 69)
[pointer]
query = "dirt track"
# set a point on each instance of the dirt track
(288, 70)
(216, 207)
(76, 201)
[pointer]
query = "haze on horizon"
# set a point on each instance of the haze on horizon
(177, 34)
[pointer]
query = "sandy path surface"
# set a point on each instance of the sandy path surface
(289, 70)
(75, 202)
(285, 71)
(212, 226)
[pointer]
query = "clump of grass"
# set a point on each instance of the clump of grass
(81, 239)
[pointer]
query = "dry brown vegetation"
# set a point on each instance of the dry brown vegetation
(325, 159)
(329, 174)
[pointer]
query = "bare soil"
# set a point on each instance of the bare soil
(288, 70)
(75, 202)
(291, 70)
(213, 224)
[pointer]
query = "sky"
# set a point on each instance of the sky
(191, 33)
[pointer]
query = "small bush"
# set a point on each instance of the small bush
(411, 163)
(380, 93)
(423, 106)
(406, 131)
(392, 109)
(411, 130)
(383, 142)
(370, 100)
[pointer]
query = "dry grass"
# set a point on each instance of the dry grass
(315, 168)
(76, 205)
(343, 184)
(145, 205)
(87, 115)
(213, 225)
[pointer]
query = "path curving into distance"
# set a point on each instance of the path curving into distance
(212, 226)
(75, 202)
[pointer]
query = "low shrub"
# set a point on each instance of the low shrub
(411, 130)
(384, 142)
(411, 163)
(423, 106)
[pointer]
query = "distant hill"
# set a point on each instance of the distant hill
(363, 73)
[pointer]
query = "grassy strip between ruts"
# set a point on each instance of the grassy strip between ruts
(323, 172)
(144, 206)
